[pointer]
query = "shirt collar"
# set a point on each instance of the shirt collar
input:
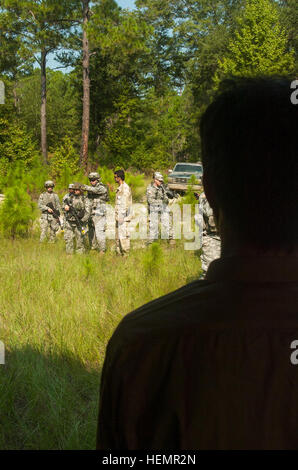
(254, 269)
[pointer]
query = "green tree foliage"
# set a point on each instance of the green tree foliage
(189, 196)
(43, 27)
(17, 212)
(259, 44)
(289, 20)
(136, 184)
(66, 176)
(166, 52)
(146, 132)
(16, 145)
(163, 133)
(152, 73)
(120, 36)
(11, 61)
(62, 115)
(65, 156)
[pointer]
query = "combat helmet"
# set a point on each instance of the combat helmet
(94, 176)
(158, 176)
(49, 184)
(70, 186)
(77, 186)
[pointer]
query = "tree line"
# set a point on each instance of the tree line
(136, 81)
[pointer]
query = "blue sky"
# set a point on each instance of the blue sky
(126, 3)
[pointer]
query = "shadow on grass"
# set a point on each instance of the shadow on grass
(47, 401)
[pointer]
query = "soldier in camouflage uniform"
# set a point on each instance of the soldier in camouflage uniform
(158, 199)
(70, 192)
(123, 213)
(76, 213)
(210, 240)
(67, 196)
(97, 196)
(47, 219)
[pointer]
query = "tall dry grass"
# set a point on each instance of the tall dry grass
(57, 313)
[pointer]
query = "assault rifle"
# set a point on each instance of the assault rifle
(169, 193)
(55, 213)
(72, 211)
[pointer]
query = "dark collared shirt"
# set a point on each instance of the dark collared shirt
(209, 366)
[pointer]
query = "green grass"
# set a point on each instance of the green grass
(57, 313)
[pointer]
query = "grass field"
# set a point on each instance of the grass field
(57, 313)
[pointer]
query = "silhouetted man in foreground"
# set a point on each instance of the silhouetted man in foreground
(213, 365)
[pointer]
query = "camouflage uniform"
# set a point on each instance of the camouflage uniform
(158, 201)
(72, 229)
(210, 241)
(47, 220)
(96, 201)
(68, 197)
(123, 212)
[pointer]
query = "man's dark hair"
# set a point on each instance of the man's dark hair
(250, 157)
(120, 174)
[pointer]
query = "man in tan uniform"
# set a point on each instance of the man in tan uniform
(123, 212)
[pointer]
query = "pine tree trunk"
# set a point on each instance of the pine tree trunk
(86, 91)
(43, 110)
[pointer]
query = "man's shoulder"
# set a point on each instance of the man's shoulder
(126, 188)
(172, 312)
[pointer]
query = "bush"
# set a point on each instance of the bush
(107, 178)
(64, 159)
(32, 179)
(16, 212)
(16, 146)
(189, 197)
(136, 184)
